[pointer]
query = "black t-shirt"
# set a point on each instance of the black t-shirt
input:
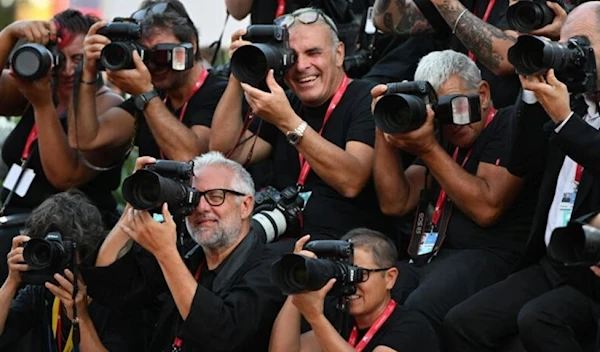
(327, 212)
(510, 232)
(99, 189)
(199, 111)
(403, 331)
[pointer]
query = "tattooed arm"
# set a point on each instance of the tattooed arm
(402, 17)
(488, 43)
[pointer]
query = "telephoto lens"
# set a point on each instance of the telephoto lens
(577, 244)
(32, 61)
(527, 16)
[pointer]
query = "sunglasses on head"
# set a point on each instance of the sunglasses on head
(304, 16)
(158, 8)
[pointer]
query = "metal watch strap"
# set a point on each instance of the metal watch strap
(297, 133)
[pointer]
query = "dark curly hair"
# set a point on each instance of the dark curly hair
(71, 23)
(73, 215)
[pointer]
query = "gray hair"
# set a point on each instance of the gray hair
(379, 245)
(438, 66)
(324, 20)
(242, 181)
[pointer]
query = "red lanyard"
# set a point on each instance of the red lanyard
(280, 8)
(578, 173)
(196, 88)
(178, 341)
(59, 335)
(33, 135)
(304, 166)
(439, 205)
(373, 329)
(485, 18)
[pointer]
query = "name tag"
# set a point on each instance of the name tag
(25, 182)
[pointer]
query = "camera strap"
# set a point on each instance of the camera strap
(57, 328)
(195, 89)
(389, 309)
(304, 166)
(485, 18)
(425, 243)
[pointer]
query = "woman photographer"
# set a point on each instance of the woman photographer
(37, 151)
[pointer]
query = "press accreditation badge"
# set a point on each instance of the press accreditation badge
(305, 196)
(427, 243)
(565, 208)
(25, 182)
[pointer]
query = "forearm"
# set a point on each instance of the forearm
(90, 341)
(60, 163)
(7, 293)
(239, 9)
(181, 283)
(285, 336)
(84, 126)
(469, 192)
(489, 44)
(116, 245)
(175, 140)
(227, 123)
(401, 17)
(337, 167)
(391, 184)
(329, 339)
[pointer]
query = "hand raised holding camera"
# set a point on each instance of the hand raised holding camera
(64, 292)
(92, 46)
(41, 32)
(135, 81)
(552, 30)
(417, 142)
(551, 93)
(15, 260)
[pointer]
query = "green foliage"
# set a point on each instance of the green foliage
(127, 169)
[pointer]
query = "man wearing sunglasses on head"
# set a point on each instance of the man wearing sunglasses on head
(170, 111)
(323, 123)
(377, 322)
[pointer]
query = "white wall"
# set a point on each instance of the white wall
(208, 15)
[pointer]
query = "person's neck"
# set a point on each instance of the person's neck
(215, 257)
(366, 320)
(180, 94)
(337, 81)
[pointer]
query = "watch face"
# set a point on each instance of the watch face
(139, 102)
(293, 138)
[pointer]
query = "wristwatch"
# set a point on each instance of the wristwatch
(294, 136)
(142, 100)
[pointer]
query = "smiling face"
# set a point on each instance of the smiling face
(372, 294)
(318, 70)
(73, 54)
(217, 227)
(464, 136)
(163, 78)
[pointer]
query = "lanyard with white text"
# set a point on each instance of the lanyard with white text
(304, 166)
(197, 86)
(57, 328)
(280, 8)
(373, 329)
(485, 18)
(439, 205)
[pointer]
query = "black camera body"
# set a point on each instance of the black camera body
(46, 257)
(124, 34)
(32, 61)
(270, 50)
(294, 273)
(276, 213)
(577, 244)
(165, 181)
(574, 62)
(527, 16)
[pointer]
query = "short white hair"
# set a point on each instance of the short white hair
(242, 181)
(438, 66)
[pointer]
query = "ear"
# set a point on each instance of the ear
(339, 54)
(485, 95)
(390, 277)
(247, 206)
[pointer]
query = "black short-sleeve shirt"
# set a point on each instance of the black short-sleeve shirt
(510, 232)
(327, 212)
(403, 331)
(199, 111)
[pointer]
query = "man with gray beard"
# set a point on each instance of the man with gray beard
(218, 296)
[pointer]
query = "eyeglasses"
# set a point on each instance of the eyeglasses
(366, 272)
(305, 16)
(216, 197)
(158, 8)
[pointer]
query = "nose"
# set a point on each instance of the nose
(68, 68)
(203, 205)
(302, 62)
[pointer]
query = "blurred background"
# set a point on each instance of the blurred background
(208, 15)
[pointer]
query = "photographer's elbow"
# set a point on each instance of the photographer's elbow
(487, 217)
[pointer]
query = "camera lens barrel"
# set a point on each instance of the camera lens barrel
(527, 16)
(399, 113)
(118, 56)
(41, 254)
(251, 63)
(31, 61)
(269, 224)
(533, 55)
